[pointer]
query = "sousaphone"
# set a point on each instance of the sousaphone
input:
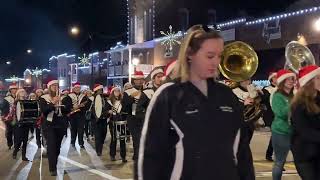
(297, 56)
(239, 63)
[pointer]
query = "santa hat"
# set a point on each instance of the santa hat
(284, 74)
(271, 75)
(39, 90)
(116, 88)
(75, 85)
(307, 73)
(155, 72)
(52, 81)
(13, 86)
(32, 94)
(170, 66)
(138, 75)
(65, 90)
(127, 85)
(97, 87)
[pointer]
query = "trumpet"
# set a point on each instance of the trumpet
(59, 105)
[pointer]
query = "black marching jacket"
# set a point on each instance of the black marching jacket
(187, 135)
(48, 109)
(306, 134)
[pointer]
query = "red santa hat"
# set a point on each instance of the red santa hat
(13, 86)
(75, 85)
(284, 74)
(307, 73)
(271, 75)
(66, 91)
(116, 88)
(170, 66)
(97, 87)
(155, 72)
(52, 81)
(138, 75)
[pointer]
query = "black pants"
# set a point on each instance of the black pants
(54, 139)
(113, 143)
(309, 170)
(38, 136)
(77, 128)
(9, 133)
(135, 128)
(88, 128)
(21, 137)
(269, 152)
(100, 134)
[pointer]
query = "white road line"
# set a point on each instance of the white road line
(269, 173)
(82, 166)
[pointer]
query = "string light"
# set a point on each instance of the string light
(284, 15)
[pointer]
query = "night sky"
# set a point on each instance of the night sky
(43, 25)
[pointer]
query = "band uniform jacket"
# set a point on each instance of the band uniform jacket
(144, 101)
(7, 104)
(266, 100)
(50, 112)
(77, 100)
(116, 110)
(187, 135)
(129, 103)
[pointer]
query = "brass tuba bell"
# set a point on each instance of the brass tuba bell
(239, 61)
(297, 56)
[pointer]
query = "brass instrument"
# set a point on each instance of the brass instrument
(75, 110)
(239, 63)
(297, 56)
(58, 107)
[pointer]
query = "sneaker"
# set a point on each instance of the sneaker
(82, 146)
(269, 158)
(14, 155)
(98, 154)
(53, 173)
(124, 160)
(25, 159)
(113, 158)
(10, 147)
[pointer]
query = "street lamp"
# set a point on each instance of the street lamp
(317, 25)
(29, 51)
(74, 30)
(8, 62)
(135, 61)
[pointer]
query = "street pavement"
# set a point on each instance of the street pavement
(78, 164)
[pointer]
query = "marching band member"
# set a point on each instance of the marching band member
(147, 93)
(129, 106)
(246, 93)
(192, 128)
(281, 129)
(77, 117)
(305, 113)
(88, 123)
(39, 93)
(7, 113)
(32, 96)
(268, 115)
(55, 113)
(114, 108)
(65, 94)
(21, 131)
(169, 71)
(101, 124)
